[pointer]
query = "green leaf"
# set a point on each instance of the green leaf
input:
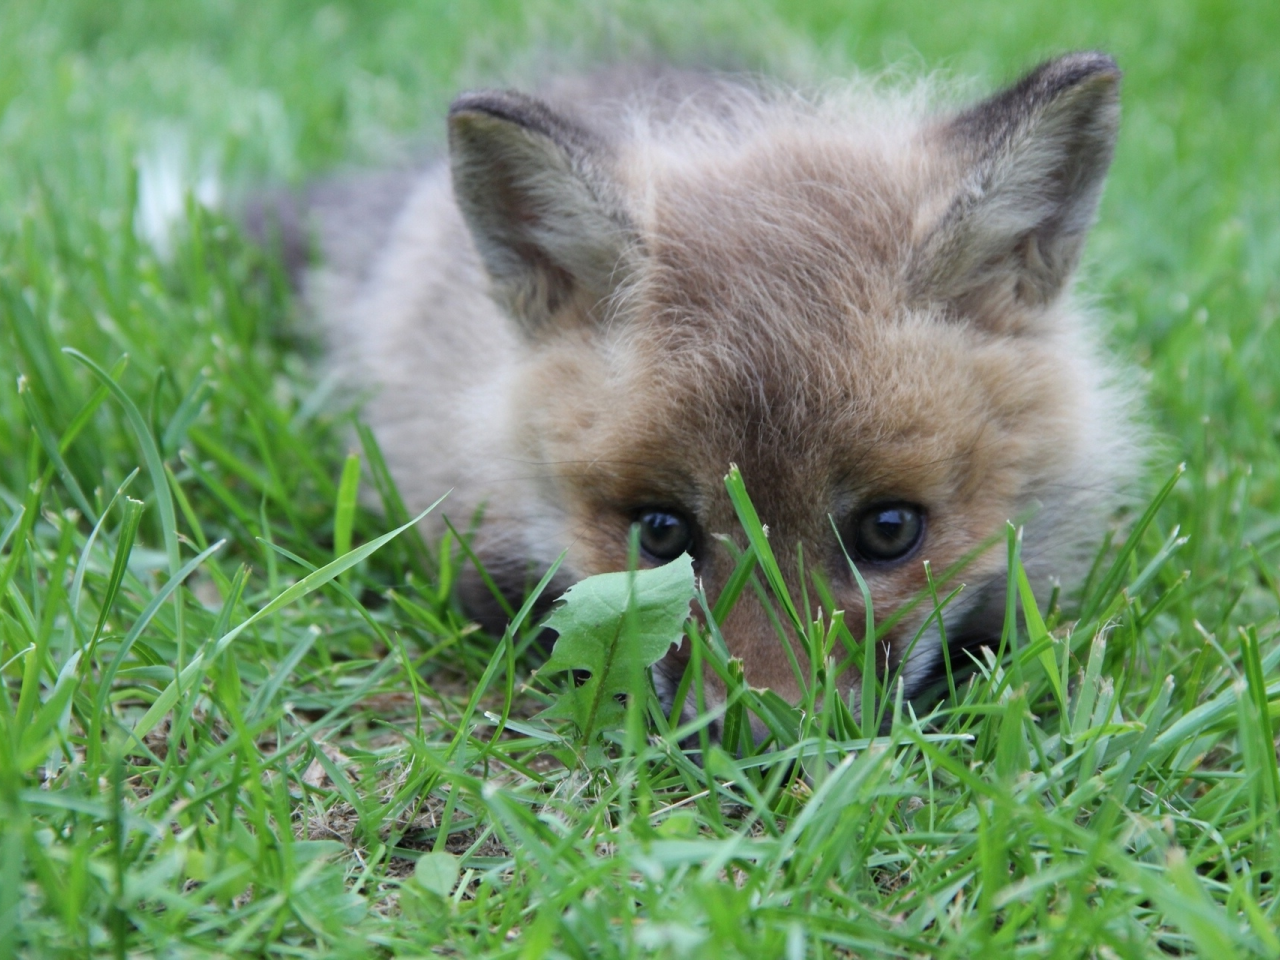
(614, 626)
(437, 873)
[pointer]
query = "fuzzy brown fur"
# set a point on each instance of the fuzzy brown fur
(614, 291)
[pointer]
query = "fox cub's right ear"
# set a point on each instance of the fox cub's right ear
(534, 191)
(1033, 160)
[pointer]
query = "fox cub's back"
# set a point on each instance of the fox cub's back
(609, 293)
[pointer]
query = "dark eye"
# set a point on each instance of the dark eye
(664, 534)
(887, 531)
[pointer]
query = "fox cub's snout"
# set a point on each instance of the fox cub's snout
(611, 292)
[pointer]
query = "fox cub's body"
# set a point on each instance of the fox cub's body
(609, 294)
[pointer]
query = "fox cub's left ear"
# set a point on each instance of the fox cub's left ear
(534, 189)
(1033, 159)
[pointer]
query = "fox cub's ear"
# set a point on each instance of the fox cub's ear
(532, 187)
(1033, 159)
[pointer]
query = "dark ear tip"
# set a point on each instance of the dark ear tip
(519, 110)
(499, 104)
(1073, 69)
(1088, 62)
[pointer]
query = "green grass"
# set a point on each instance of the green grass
(209, 749)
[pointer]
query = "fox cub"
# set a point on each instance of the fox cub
(612, 291)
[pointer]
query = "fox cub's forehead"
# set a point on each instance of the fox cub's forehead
(772, 317)
(905, 410)
(810, 224)
(771, 283)
(817, 395)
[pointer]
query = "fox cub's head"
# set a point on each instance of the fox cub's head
(862, 305)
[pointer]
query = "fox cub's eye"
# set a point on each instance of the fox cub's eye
(887, 531)
(664, 535)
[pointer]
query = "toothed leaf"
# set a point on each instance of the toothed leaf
(613, 627)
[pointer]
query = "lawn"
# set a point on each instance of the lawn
(238, 717)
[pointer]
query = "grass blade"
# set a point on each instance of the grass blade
(202, 660)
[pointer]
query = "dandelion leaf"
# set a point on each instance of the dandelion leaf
(612, 627)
